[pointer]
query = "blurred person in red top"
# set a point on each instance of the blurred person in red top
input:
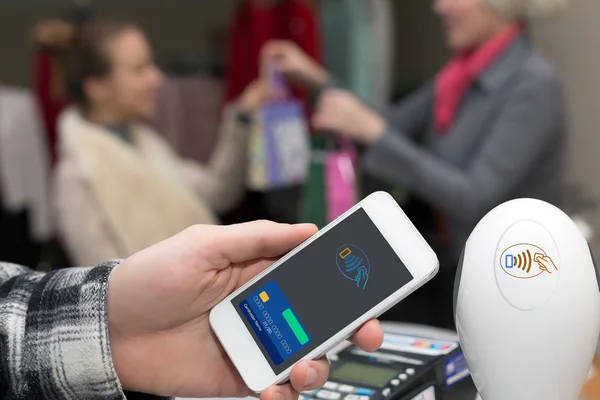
(490, 127)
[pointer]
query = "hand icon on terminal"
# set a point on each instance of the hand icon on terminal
(545, 263)
(360, 275)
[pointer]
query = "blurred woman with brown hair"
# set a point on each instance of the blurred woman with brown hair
(119, 186)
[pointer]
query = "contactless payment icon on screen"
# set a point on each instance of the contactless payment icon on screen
(274, 322)
(354, 264)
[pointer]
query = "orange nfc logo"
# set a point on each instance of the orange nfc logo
(526, 261)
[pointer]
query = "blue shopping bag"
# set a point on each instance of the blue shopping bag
(279, 145)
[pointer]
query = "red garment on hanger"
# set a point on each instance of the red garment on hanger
(254, 23)
(51, 105)
(458, 75)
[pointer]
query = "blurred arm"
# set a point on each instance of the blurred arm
(522, 132)
(221, 182)
(410, 116)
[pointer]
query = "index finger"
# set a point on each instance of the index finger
(369, 337)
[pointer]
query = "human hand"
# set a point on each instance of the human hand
(545, 263)
(159, 301)
(341, 112)
(254, 96)
(53, 34)
(292, 61)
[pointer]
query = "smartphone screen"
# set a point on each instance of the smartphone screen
(320, 290)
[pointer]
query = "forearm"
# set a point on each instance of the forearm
(409, 117)
(221, 182)
(532, 119)
(396, 159)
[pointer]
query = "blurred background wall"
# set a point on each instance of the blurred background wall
(184, 27)
(572, 42)
(187, 26)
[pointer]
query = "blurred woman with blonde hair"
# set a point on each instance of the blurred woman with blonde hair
(490, 127)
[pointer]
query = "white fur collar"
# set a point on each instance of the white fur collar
(139, 188)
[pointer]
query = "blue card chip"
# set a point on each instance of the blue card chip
(275, 323)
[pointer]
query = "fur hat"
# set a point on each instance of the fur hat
(527, 8)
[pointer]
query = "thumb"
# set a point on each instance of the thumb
(259, 239)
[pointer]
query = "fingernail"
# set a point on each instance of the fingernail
(311, 377)
(279, 396)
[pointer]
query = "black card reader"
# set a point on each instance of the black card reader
(402, 365)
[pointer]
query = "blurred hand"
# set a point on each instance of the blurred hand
(341, 112)
(158, 305)
(254, 96)
(53, 34)
(294, 62)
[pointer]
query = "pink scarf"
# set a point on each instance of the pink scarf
(458, 75)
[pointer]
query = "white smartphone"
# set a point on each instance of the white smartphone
(316, 296)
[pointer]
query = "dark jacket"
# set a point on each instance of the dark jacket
(508, 141)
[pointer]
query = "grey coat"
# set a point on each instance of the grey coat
(508, 141)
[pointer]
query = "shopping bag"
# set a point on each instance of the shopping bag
(331, 187)
(340, 180)
(257, 163)
(313, 204)
(279, 145)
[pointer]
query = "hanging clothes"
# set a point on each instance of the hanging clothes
(348, 38)
(256, 22)
(187, 114)
(51, 102)
(335, 17)
(361, 60)
(24, 161)
(382, 13)
(49, 84)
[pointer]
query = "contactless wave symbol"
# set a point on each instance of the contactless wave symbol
(526, 261)
(521, 261)
(354, 264)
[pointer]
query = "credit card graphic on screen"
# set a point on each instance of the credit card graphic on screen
(275, 323)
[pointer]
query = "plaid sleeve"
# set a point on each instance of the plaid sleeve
(54, 335)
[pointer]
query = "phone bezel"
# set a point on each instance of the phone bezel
(404, 239)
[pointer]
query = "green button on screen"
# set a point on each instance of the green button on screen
(295, 326)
